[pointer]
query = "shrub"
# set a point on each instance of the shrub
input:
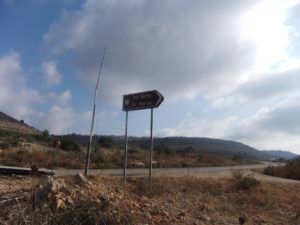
(42, 138)
(132, 150)
(69, 145)
(290, 171)
(85, 211)
(4, 146)
(270, 170)
(237, 157)
(4, 133)
(163, 149)
(45, 133)
(200, 157)
(98, 156)
(105, 141)
(242, 182)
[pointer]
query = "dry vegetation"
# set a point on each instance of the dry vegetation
(186, 200)
(20, 150)
(103, 158)
(43, 159)
(290, 171)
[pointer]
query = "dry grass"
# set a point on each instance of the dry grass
(43, 154)
(220, 199)
(241, 182)
(184, 200)
(45, 159)
(51, 158)
(290, 171)
(91, 206)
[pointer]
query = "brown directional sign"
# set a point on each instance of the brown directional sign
(142, 100)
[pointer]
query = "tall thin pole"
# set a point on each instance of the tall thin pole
(151, 150)
(126, 147)
(88, 153)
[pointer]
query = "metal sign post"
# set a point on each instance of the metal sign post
(151, 150)
(137, 101)
(126, 147)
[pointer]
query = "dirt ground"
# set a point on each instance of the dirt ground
(172, 200)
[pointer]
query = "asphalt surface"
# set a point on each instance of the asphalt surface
(225, 171)
(195, 171)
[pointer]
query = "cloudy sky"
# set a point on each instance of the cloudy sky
(228, 69)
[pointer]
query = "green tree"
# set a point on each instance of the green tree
(163, 149)
(105, 141)
(69, 145)
(45, 133)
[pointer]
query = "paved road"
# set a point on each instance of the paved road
(177, 172)
(198, 171)
(166, 171)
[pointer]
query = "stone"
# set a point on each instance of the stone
(165, 213)
(27, 197)
(136, 205)
(39, 197)
(203, 206)
(54, 186)
(148, 215)
(181, 214)
(54, 192)
(295, 216)
(69, 200)
(204, 217)
(60, 204)
(146, 205)
(144, 198)
(154, 212)
(81, 180)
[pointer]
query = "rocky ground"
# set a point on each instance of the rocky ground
(185, 200)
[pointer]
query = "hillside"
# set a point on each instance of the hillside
(68, 151)
(8, 123)
(277, 154)
(44, 152)
(224, 148)
(228, 149)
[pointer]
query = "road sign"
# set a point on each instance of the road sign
(136, 101)
(142, 100)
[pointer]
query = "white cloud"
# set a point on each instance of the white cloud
(235, 54)
(263, 90)
(19, 101)
(58, 119)
(60, 99)
(15, 97)
(194, 127)
(272, 127)
(265, 25)
(283, 117)
(174, 46)
(50, 72)
(104, 121)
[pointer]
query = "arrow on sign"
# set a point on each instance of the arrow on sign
(142, 100)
